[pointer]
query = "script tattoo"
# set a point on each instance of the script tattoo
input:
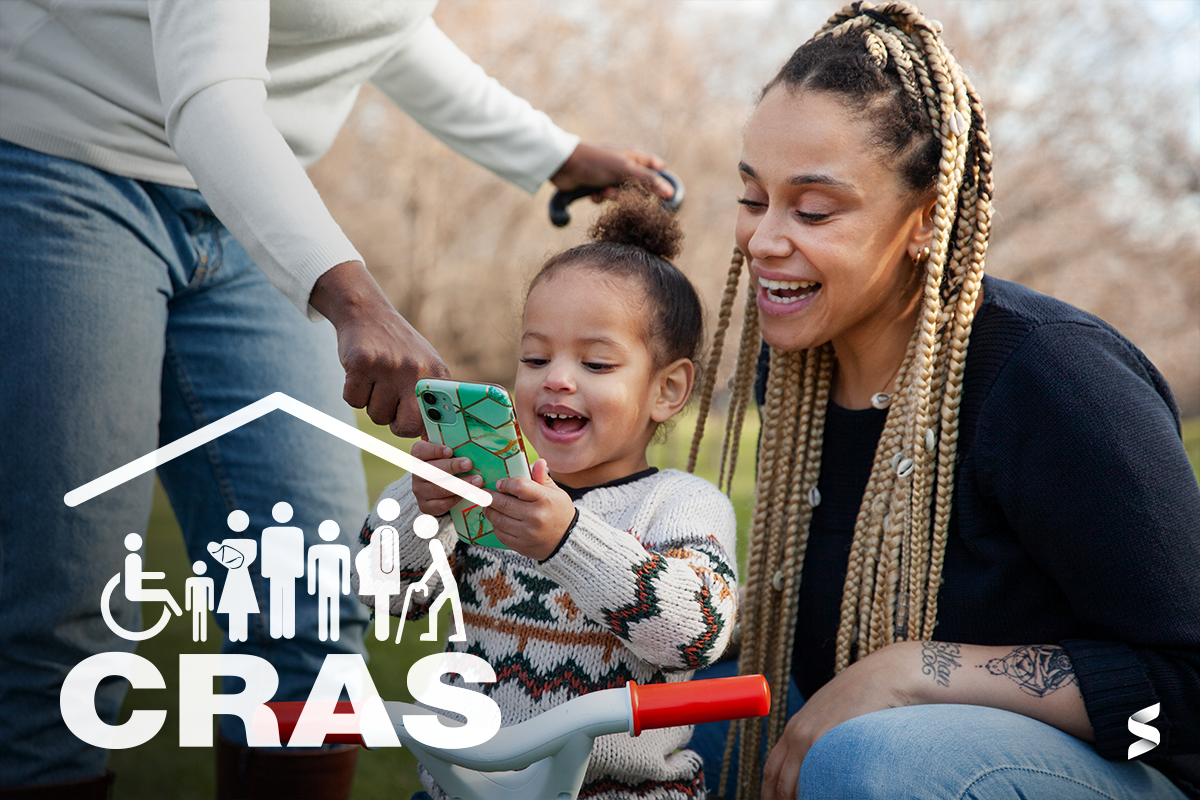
(938, 659)
(1037, 669)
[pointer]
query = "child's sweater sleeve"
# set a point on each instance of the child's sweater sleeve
(667, 587)
(413, 557)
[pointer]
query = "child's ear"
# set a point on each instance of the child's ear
(674, 386)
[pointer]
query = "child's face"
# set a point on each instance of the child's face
(588, 395)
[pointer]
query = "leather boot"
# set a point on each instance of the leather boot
(95, 788)
(247, 773)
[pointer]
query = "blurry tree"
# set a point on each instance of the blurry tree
(1095, 121)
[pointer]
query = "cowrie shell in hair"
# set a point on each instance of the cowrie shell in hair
(881, 400)
(777, 581)
(930, 440)
(814, 497)
(904, 468)
(958, 124)
(896, 460)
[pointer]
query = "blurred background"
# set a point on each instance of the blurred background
(1093, 107)
(1094, 111)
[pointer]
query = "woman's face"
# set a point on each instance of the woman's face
(828, 228)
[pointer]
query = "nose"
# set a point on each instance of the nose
(769, 239)
(559, 377)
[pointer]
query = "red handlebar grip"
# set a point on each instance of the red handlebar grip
(288, 714)
(668, 705)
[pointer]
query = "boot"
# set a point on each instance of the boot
(246, 773)
(95, 788)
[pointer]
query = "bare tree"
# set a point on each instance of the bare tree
(1095, 133)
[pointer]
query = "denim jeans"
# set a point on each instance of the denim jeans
(130, 317)
(950, 752)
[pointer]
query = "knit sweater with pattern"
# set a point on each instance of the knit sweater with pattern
(643, 588)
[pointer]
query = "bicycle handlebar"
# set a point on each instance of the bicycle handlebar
(547, 756)
(670, 705)
(656, 705)
(560, 216)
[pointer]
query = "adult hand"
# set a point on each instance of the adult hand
(431, 498)
(382, 354)
(531, 516)
(611, 165)
(872, 684)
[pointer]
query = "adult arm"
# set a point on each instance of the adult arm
(451, 96)
(668, 591)
(210, 58)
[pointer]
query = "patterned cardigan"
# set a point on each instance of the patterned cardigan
(643, 588)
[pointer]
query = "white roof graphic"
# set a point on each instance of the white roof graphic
(272, 402)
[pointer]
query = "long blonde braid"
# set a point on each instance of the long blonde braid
(895, 562)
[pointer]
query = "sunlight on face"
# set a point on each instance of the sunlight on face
(826, 225)
(586, 382)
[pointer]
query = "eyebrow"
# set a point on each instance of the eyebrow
(603, 340)
(802, 180)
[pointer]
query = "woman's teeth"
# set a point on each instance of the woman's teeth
(788, 291)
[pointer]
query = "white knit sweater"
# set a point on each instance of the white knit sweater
(239, 97)
(643, 588)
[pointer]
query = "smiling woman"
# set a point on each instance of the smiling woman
(968, 494)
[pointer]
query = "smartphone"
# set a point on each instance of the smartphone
(476, 420)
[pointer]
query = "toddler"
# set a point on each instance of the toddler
(616, 571)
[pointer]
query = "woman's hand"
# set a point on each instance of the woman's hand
(382, 354)
(1037, 681)
(877, 682)
(611, 165)
(431, 498)
(531, 516)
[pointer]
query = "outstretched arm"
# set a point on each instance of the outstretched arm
(1037, 681)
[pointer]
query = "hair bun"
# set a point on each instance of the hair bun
(637, 217)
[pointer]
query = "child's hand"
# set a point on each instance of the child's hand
(531, 516)
(431, 498)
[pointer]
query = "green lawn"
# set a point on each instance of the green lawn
(161, 768)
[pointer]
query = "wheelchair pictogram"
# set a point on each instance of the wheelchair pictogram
(135, 591)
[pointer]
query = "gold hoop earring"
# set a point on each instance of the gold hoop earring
(923, 256)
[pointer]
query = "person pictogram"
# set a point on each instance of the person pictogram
(237, 595)
(136, 592)
(199, 598)
(282, 565)
(328, 577)
(378, 569)
(426, 527)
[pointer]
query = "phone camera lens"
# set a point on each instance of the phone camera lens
(433, 414)
(430, 398)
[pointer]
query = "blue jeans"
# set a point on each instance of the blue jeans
(951, 752)
(130, 317)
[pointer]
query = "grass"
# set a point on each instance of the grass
(162, 768)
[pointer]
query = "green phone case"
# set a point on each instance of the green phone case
(483, 429)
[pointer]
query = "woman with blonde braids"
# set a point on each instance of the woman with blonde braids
(976, 540)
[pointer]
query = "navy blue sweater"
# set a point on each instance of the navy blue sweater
(1076, 520)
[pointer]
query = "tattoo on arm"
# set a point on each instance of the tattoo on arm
(939, 659)
(1037, 670)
